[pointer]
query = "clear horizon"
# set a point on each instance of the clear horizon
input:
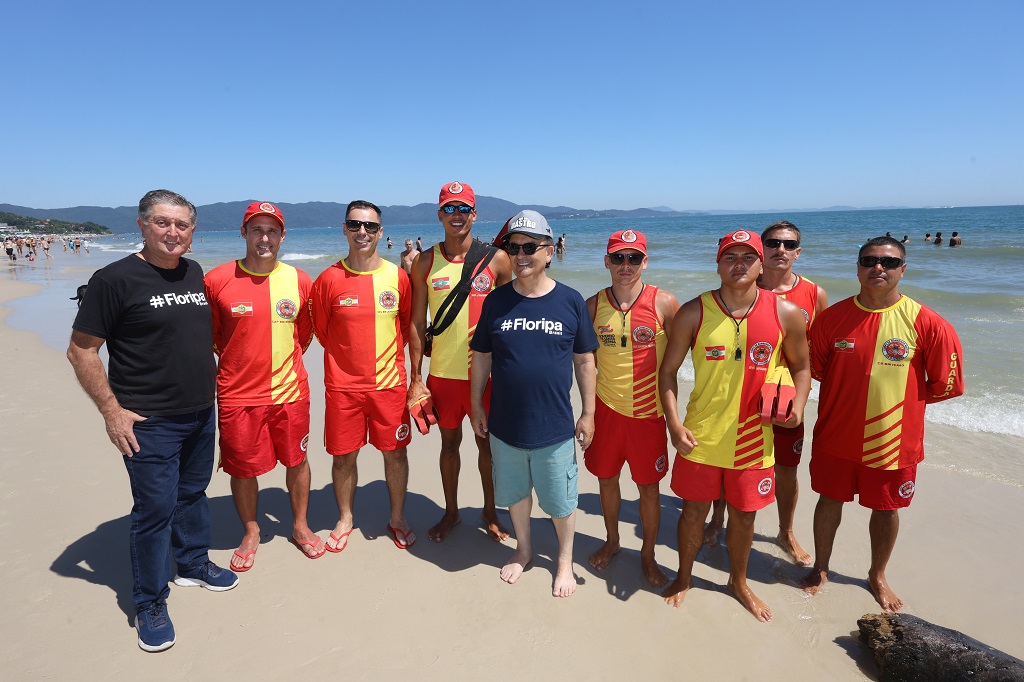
(594, 105)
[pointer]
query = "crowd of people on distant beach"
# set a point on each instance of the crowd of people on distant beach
(27, 248)
(504, 341)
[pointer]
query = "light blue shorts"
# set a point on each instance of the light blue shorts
(551, 471)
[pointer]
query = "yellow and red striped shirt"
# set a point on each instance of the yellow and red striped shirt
(627, 375)
(450, 356)
(878, 370)
(261, 328)
(723, 411)
(362, 321)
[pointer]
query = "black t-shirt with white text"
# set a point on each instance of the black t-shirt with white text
(157, 326)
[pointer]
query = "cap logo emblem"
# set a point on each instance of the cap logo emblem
(267, 207)
(741, 236)
(455, 188)
(629, 236)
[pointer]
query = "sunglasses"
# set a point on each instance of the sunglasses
(790, 244)
(529, 248)
(888, 262)
(449, 209)
(354, 225)
(620, 258)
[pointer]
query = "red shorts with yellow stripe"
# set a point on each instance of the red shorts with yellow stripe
(354, 418)
(619, 439)
(254, 439)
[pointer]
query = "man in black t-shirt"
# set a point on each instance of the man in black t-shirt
(156, 398)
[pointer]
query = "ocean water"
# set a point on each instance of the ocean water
(977, 287)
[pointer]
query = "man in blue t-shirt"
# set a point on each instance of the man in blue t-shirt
(532, 332)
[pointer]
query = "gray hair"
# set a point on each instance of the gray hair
(164, 196)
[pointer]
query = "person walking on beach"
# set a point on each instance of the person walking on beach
(361, 309)
(881, 358)
(533, 332)
(408, 256)
(955, 240)
(9, 248)
(261, 328)
(456, 263)
(157, 404)
(46, 248)
(740, 335)
(631, 319)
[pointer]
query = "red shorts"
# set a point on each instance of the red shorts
(746, 489)
(254, 439)
(789, 445)
(451, 400)
(351, 416)
(643, 442)
(879, 489)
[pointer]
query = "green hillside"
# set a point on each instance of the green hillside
(52, 226)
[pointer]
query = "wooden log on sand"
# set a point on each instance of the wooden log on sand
(908, 649)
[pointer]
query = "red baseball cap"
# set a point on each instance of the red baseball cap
(740, 238)
(262, 208)
(457, 191)
(627, 239)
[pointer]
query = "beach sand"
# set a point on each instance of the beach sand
(440, 611)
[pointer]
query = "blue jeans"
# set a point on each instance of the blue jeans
(171, 516)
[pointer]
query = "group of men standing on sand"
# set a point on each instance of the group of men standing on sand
(504, 342)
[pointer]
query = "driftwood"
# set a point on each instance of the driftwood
(909, 649)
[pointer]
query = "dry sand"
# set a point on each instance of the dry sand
(440, 611)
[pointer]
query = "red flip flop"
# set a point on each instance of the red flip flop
(303, 545)
(337, 539)
(243, 557)
(396, 533)
(423, 414)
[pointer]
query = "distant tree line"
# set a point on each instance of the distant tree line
(37, 226)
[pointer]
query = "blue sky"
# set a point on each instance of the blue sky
(592, 104)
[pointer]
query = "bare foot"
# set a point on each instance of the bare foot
(711, 532)
(751, 602)
(675, 592)
(602, 556)
(653, 572)
(565, 582)
(814, 581)
(787, 541)
(243, 557)
(511, 571)
(884, 595)
(495, 530)
(440, 532)
(338, 539)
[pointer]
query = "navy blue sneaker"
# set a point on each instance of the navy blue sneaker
(208, 575)
(156, 632)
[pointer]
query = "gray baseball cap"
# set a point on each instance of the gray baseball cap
(530, 223)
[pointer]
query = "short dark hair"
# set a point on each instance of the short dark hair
(164, 196)
(781, 225)
(883, 241)
(359, 203)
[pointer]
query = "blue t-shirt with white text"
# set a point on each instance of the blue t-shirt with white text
(531, 342)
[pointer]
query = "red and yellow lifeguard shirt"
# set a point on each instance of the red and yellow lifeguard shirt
(261, 328)
(627, 375)
(362, 320)
(450, 356)
(805, 296)
(723, 412)
(878, 369)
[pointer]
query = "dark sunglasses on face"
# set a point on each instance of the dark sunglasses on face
(354, 225)
(620, 258)
(888, 262)
(529, 248)
(461, 209)
(790, 244)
